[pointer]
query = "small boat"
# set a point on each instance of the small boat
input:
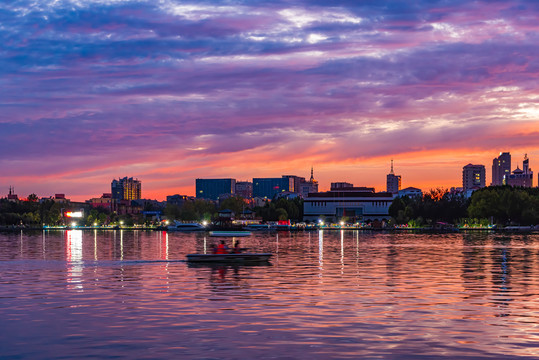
(179, 226)
(230, 233)
(230, 258)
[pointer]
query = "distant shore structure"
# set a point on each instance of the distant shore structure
(126, 189)
(501, 169)
(393, 182)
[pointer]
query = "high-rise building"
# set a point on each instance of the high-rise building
(126, 189)
(296, 182)
(522, 177)
(244, 189)
(501, 169)
(269, 187)
(473, 177)
(393, 181)
(212, 189)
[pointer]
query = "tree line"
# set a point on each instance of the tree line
(502, 205)
(197, 210)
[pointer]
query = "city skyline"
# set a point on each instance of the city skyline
(169, 92)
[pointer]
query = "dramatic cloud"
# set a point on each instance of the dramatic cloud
(170, 91)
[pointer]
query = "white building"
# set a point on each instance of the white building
(354, 205)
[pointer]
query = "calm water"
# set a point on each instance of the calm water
(327, 295)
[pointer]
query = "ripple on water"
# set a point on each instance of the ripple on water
(325, 295)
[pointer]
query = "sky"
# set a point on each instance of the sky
(169, 91)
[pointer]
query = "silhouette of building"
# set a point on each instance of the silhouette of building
(346, 186)
(411, 192)
(307, 187)
(178, 199)
(501, 169)
(12, 196)
(522, 177)
(244, 189)
(212, 189)
(393, 182)
(473, 177)
(126, 189)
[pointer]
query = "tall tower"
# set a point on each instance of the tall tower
(126, 189)
(501, 169)
(393, 183)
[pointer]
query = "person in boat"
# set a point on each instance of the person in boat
(222, 248)
(237, 249)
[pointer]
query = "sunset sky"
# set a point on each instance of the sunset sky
(167, 91)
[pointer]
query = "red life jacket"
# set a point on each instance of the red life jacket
(221, 249)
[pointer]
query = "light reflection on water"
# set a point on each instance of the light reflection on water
(327, 294)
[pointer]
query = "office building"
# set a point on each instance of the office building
(212, 189)
(501, 169)
(296, 182)
(473, 177)
(269, 187)
(393, 182)
(244, 189)
(126, 189)
(522, 177)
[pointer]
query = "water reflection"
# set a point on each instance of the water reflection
(348, 295)
(73, 240)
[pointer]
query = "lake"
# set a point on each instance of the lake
(325, 295)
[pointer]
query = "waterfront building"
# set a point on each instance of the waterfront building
(411, 192)
(393, 182)
(244, 189)
(268, 187)
(473, 177)
(501, 169)
(522, 177)
(307, 187)
(105, 201)
(126, 189)
(212, 189)
(354, 205)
